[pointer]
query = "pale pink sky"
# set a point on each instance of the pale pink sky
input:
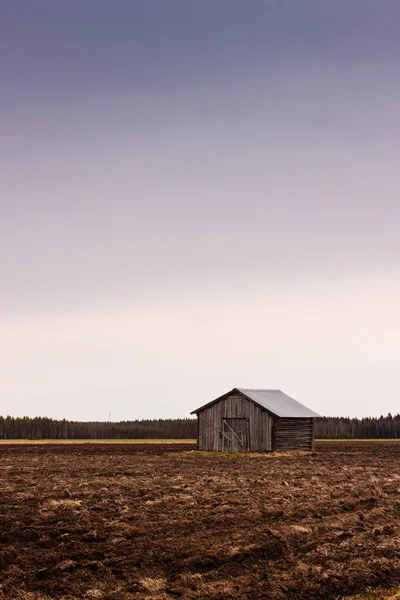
(194, 198)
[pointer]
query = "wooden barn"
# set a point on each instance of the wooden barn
(255, 421)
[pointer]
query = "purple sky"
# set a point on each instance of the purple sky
(196, 196)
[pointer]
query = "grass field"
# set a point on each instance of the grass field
(159, 521)
(136, 441)
(360, 440)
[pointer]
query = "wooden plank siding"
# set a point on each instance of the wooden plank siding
(234, 406)
(293, 434)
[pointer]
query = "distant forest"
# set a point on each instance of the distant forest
(43, 428)
(39, 428)
(368, 427)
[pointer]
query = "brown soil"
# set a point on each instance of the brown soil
(156, 521)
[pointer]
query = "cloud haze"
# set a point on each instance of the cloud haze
(194, 197)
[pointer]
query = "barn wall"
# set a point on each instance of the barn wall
(293, 434)
(234, 406)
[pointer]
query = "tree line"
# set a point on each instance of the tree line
(366, 428)
(43, 428)
(40, 428)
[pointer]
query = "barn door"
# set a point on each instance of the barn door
(235, 435)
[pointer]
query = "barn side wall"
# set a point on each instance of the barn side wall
(293, 434)
(234, 406)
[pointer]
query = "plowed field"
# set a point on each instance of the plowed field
(157, 521)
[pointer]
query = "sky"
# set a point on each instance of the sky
(195, 196)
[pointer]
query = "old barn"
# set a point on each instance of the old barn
(256, 421)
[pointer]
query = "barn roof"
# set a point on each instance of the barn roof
(275, 401)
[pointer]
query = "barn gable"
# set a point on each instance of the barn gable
(274, 401)
(234, 423)
(254, 420)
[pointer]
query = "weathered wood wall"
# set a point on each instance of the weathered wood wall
(234, 406)
(293, 434)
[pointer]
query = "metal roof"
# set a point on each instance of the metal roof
(275, 401)
(278, 403)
